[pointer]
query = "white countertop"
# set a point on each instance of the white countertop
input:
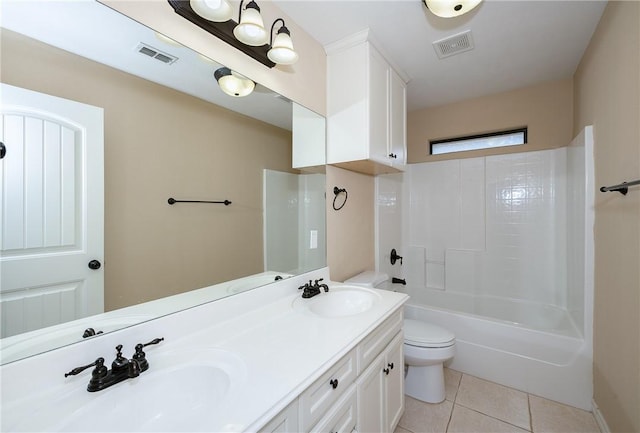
(280, 350)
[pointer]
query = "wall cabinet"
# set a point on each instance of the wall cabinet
(366, 109)
(363, 391)
(309, 139)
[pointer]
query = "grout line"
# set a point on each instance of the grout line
(497, 419)
(530, 414)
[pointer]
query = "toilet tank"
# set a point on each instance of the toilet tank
(370, 279)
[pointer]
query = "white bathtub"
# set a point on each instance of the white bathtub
(530, 347)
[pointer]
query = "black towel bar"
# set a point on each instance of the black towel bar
(622, 188)
(173, 201)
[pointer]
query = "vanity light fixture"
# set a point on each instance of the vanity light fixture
(281, 51)
(450, 8)
(248, 35)
(250, 29)
(213, 10)
(233, 83)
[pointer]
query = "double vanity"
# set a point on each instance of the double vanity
(263, 360)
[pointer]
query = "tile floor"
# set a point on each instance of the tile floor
(475, 405)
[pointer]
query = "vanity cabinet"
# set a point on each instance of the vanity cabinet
(363, 391)
(366, 106)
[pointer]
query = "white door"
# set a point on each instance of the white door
(52, 210)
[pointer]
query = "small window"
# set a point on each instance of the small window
(513, 137)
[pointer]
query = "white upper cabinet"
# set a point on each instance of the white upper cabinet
(366, 109)
(308, 138)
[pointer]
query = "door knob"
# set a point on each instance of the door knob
(94, 264)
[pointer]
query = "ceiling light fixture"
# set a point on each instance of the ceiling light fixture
(450, 8)
(233, 83)
(248, 35)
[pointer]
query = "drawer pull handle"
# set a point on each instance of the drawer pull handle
(334, 383)
(386, 371)
(390, 366)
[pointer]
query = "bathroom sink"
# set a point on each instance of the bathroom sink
(181, 391)
(339, 301)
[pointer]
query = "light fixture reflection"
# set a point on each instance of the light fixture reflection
(250, 29)
(450, 8)
(281, 51)
(233, 83)
(213, 10)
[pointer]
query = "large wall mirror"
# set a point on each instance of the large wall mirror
(169, 132)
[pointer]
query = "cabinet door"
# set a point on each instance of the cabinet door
(394, 382)
(397, 119)
(371, 409)
(285, 422)
(378, 106)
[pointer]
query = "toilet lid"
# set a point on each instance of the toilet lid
(423, 334)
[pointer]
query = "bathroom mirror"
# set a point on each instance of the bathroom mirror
(169, 131)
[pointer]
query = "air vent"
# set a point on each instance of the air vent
(453, 45)
(154, 53)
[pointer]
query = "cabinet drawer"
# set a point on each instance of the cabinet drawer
(318, 398)
(375, 342)
(341, 418)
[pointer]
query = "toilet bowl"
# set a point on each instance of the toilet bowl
(426, 348)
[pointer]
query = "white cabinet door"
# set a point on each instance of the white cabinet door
(394, 382)
(378, 106)
(397, 119)
(51, 216)
(371, 406)
(381, 390)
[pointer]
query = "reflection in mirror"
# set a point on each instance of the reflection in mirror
(169, 131)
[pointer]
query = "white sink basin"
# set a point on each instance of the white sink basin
(339, 301)
(181, 391)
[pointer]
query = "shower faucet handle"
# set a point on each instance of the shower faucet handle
(394, 257)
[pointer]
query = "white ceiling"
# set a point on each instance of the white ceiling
(517, 43)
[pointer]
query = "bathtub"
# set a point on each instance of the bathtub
(530, 347)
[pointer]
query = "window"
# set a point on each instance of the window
(513, 137)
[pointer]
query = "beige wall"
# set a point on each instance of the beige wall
(303, 82)
(160, 143)
(607, 89)
(546, 109)
(350, 231)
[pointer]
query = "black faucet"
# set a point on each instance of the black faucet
(310, 290)
(121, 368)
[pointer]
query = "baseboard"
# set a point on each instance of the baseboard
(602, 423)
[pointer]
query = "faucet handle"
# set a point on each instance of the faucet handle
(318, 280)
(98, 364)
(141, 357)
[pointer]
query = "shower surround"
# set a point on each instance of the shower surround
(507, 238)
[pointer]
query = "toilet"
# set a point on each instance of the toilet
(426, 348)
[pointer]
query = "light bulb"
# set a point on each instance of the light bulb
(213, 10)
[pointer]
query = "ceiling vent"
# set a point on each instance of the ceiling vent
(154, 53)
(453, 45)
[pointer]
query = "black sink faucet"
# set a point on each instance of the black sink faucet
(121, 368)
(310, 290)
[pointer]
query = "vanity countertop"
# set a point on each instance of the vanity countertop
(273, 345)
